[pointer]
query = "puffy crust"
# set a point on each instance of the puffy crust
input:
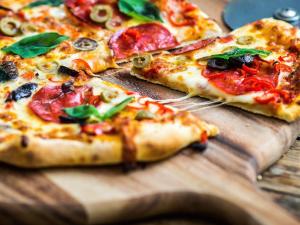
(152, 141)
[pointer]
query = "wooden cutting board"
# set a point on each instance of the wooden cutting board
(220, 182)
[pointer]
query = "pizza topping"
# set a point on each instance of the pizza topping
(195, 46)
(85, 44)
(24, 91)
(27, 28)
(116, 109)
(233, 62)
(142, 38)
(179, 13)
(143, 115)
(101, 13)
(48, 67)
(107, 96)
(68, 71)
(45, 2)
(84, 112)
(113, 23)
(68, 87)
(245, 40)
(48, 103)
(142, 61)
(91, 113)
(238, 52)
(261, 76)
(8, 71)
(9, 26)
(220, 64)
(142, 10)
(35, 45)
(83, 10)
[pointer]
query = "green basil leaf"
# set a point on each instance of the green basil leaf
(117, 108)
(35, 45)
(45, 2)
(83, 112)
(237, 52)
(141, 9)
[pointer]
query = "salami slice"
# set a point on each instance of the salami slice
(140, 39)
(195, 46)
(48, 103)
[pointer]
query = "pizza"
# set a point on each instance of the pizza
(126, 27)
(50, 96)
(255, 67)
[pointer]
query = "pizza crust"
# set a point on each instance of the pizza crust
(152, 141)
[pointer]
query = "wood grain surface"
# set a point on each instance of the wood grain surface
(219, 183)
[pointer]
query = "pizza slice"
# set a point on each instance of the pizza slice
(45, 123)
(144, 26)
(256, 67)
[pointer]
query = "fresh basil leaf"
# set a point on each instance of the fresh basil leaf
(35, 45)
(83, 112)
(237, 52)
(45, 2)
(117, 108)
(142, 10)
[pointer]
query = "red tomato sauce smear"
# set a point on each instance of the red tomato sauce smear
(48, 103)
(261, 76)
(142, 38)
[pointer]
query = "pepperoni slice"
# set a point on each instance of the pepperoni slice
(48, 103)
(195, 46)
(82, 8)
(142, 38)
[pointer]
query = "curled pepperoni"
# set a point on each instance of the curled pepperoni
(195, 46)
(48, 103)
(142, 38)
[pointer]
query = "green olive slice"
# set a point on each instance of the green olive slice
(101, 13)
(107, 96)
(245, 40)
(113, 24)
(48, 67)
(9, 26)
(142, 61)
(85, 44)
(143, 115)
(27, 28)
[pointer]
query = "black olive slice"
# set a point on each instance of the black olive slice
(68, 71)
(238, 62)
(67, 87)
(24, 91)
(85, 44)
(220, 64)
(8, 71)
